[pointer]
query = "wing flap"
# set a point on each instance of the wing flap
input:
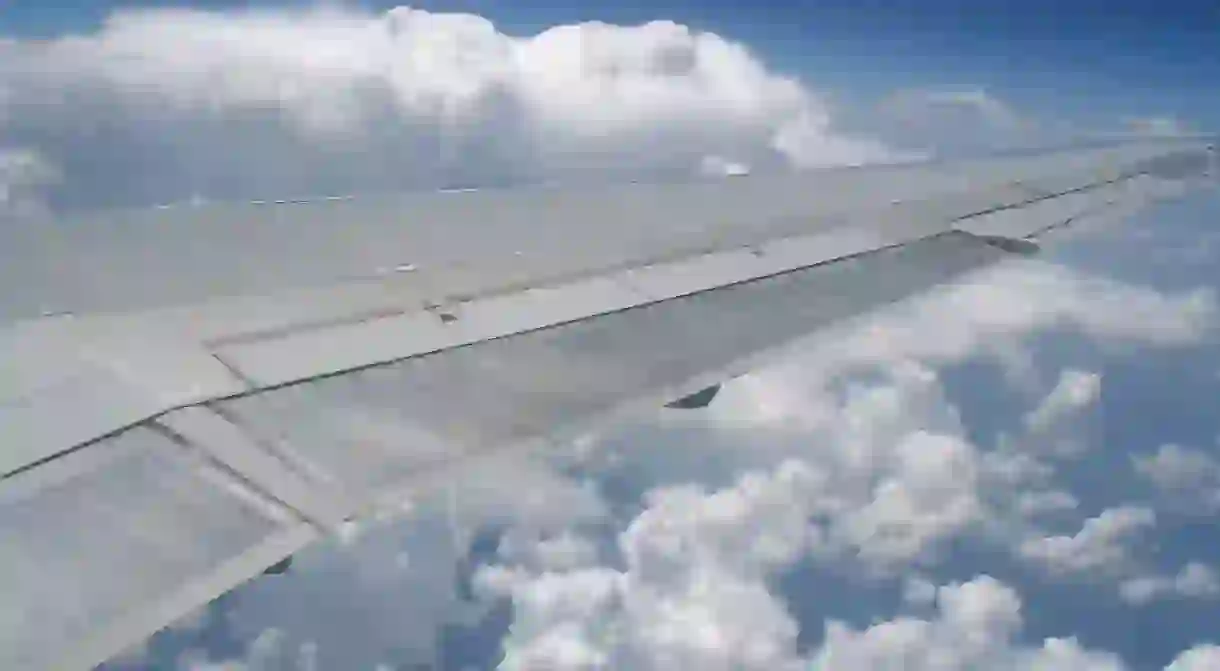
(114, 536)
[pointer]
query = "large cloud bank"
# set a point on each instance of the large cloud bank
(168, 105)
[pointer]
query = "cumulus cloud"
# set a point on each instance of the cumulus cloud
(517, 489)
(1103, 546)
(1199, 658)
(1006, 492)
(862, 436)
(533, 549)
(1054, 425)
(1193, 581)
(892, 474)
(918, 592)
(1075, 390)
(1037, 503)
(896, 475)
(902, 477)
(882, 477)
(1188, 479)
(23, 175)
(718, 165)
(949, 120)
(693, 590)
(283, 102)
(994, 314)
(269, 651)
(1019, 299)
(975, 627)
(692, 613)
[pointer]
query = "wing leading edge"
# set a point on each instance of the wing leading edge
(159, 455)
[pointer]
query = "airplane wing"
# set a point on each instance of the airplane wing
(190, 394)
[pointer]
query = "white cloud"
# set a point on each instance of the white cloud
(1054, 426)
(1034, 504)
(918, 592)
(518, 489)
(994, 313)
(1019, 299)
(1075, 390)
(976, 626)
(269, 651)
(1199, 658)
(882, 477)
(1103, 546)
(972, 620)
(808, 142)
(23, 173)
(896, 477)
(1193, 581)
(900, 478)
(1197, 580)
(718, 165)
(587, 620)
(954, 120)
(1188, 479)
(931, 495)
(252, 103)
(692, 593)
(863, 438)
(531, 549)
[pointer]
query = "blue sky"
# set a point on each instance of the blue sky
(1111, 336)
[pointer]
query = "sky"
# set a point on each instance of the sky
(1020, 471)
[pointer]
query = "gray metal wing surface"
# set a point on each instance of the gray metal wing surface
(190, 394)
